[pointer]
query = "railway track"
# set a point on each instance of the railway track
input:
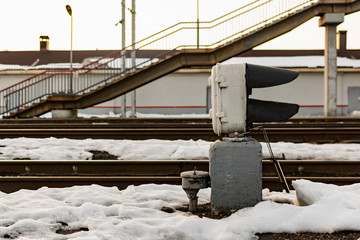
(310, 129)
(33, 174)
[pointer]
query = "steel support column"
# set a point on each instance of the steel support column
(123, 62)
(133, 57)
(330, 21)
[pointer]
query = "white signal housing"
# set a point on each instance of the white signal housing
(228, 98)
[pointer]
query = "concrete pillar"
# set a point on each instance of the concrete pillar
(236, 174)
(64, 113)
(123, 105)
(330, 21)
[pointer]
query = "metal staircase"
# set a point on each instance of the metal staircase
(112, 75)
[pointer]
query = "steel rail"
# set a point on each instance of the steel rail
(94, 125)
(27, 174)
(319, 130)
(296, 121)
(319, 135)
(167, 167)
(12, 184)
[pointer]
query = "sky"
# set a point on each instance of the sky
(94, 212)
(23, 21)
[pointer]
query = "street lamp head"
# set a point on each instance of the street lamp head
(68, 9)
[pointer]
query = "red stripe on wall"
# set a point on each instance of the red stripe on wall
(150, 107)
(302, 106)
(319, 106)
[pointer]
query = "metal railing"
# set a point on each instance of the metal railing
(245, 20)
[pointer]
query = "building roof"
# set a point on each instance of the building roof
(28, 58)
(307, 62)
(295, 61)
(48, 57)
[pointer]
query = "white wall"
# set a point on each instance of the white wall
(172, 94)
(181, 92)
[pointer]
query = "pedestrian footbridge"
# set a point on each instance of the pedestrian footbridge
(175, 47)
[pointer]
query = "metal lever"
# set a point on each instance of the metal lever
(277, 165)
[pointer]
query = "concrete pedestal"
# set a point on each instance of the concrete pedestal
(62, 113)
(236, 174)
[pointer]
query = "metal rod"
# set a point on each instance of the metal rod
(123, 67)
(277, 165)
(71, 45)
(197, 27)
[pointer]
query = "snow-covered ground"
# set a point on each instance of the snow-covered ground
(152, 149)
(95, 212)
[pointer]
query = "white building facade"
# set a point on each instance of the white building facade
(185, 91)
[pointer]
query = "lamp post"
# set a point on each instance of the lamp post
(69, 10)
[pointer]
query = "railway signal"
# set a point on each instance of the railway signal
(233, 112)
(235, 162)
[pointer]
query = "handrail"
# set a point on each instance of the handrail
(232, 25)
(202, 22)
